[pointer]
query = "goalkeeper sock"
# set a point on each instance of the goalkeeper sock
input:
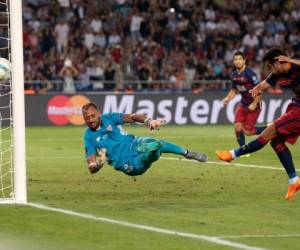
(168, 147)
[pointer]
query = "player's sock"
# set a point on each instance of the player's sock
(240, 137)
(258, 130)
(167, 147)
(293, 180)
(285, 158)
(251, 147)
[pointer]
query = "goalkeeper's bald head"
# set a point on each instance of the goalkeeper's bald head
(88, 105)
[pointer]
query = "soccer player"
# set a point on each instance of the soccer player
(130, 154)
(286, 72)
(248, 110)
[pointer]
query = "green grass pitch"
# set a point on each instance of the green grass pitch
(237, 203)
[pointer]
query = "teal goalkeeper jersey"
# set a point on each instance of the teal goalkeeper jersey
(113, 138)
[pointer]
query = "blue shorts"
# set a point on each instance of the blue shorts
(139, 163)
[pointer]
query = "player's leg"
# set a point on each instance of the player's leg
(288, 128)
(140, 163)
(239, 133)
(147, 144)
(168, 147)
(149, 157)
(150, 145)
(287, 125)
(267, 135)
(239, 119)
(149, 151)
(249, 125)
(285, 157)
(286, 160)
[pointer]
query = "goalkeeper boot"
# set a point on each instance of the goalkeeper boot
(224, 156)
(292, 189)
(198, 156)
(149, 147)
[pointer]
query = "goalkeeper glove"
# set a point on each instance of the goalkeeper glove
(101, 157)
(154, 124)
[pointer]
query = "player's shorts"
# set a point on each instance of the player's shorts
(245, 116)
(288, 124)
(139, 163)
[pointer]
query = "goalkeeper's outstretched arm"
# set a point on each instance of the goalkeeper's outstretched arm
(150, 123)
(96, 161)
(93, 166)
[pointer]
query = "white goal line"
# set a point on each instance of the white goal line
(243, 165)
(259, 236)
(225, 163)
(220, 240)
(214, 240)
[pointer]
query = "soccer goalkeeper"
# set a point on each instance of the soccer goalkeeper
(105, 140)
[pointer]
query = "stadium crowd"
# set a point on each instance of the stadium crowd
(164, 43)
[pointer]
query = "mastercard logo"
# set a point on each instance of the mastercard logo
(62, 110)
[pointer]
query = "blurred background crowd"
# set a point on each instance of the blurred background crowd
(163, 45)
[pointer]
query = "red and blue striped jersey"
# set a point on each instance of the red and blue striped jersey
(290, 79)
(243, 82)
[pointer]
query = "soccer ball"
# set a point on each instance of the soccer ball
(5, 68)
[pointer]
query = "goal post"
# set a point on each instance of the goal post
(12, 109)
(17, 78)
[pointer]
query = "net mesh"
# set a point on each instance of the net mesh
(6, 121)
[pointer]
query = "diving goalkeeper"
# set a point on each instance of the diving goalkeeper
(105, 140)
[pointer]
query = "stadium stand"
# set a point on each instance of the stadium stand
(164, 44)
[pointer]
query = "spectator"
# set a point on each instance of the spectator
(61, 33)
(84, 83)
(35, 24)
(94, 69)
(268, 40)
(109, 76)
(96, 24)
(270, 25)
(68, 72)
(100, 40)
(89, 39)
(135, 25)
(294, 39)
(47, 41)
(151, 35)
(114, 39)
(250, 40)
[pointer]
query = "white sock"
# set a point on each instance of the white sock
(232, 154)
(293, 180)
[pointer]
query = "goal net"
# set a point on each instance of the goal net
(6, 162)
(12, 125)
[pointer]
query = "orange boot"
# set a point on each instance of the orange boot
(224, 156)
(292, 189)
